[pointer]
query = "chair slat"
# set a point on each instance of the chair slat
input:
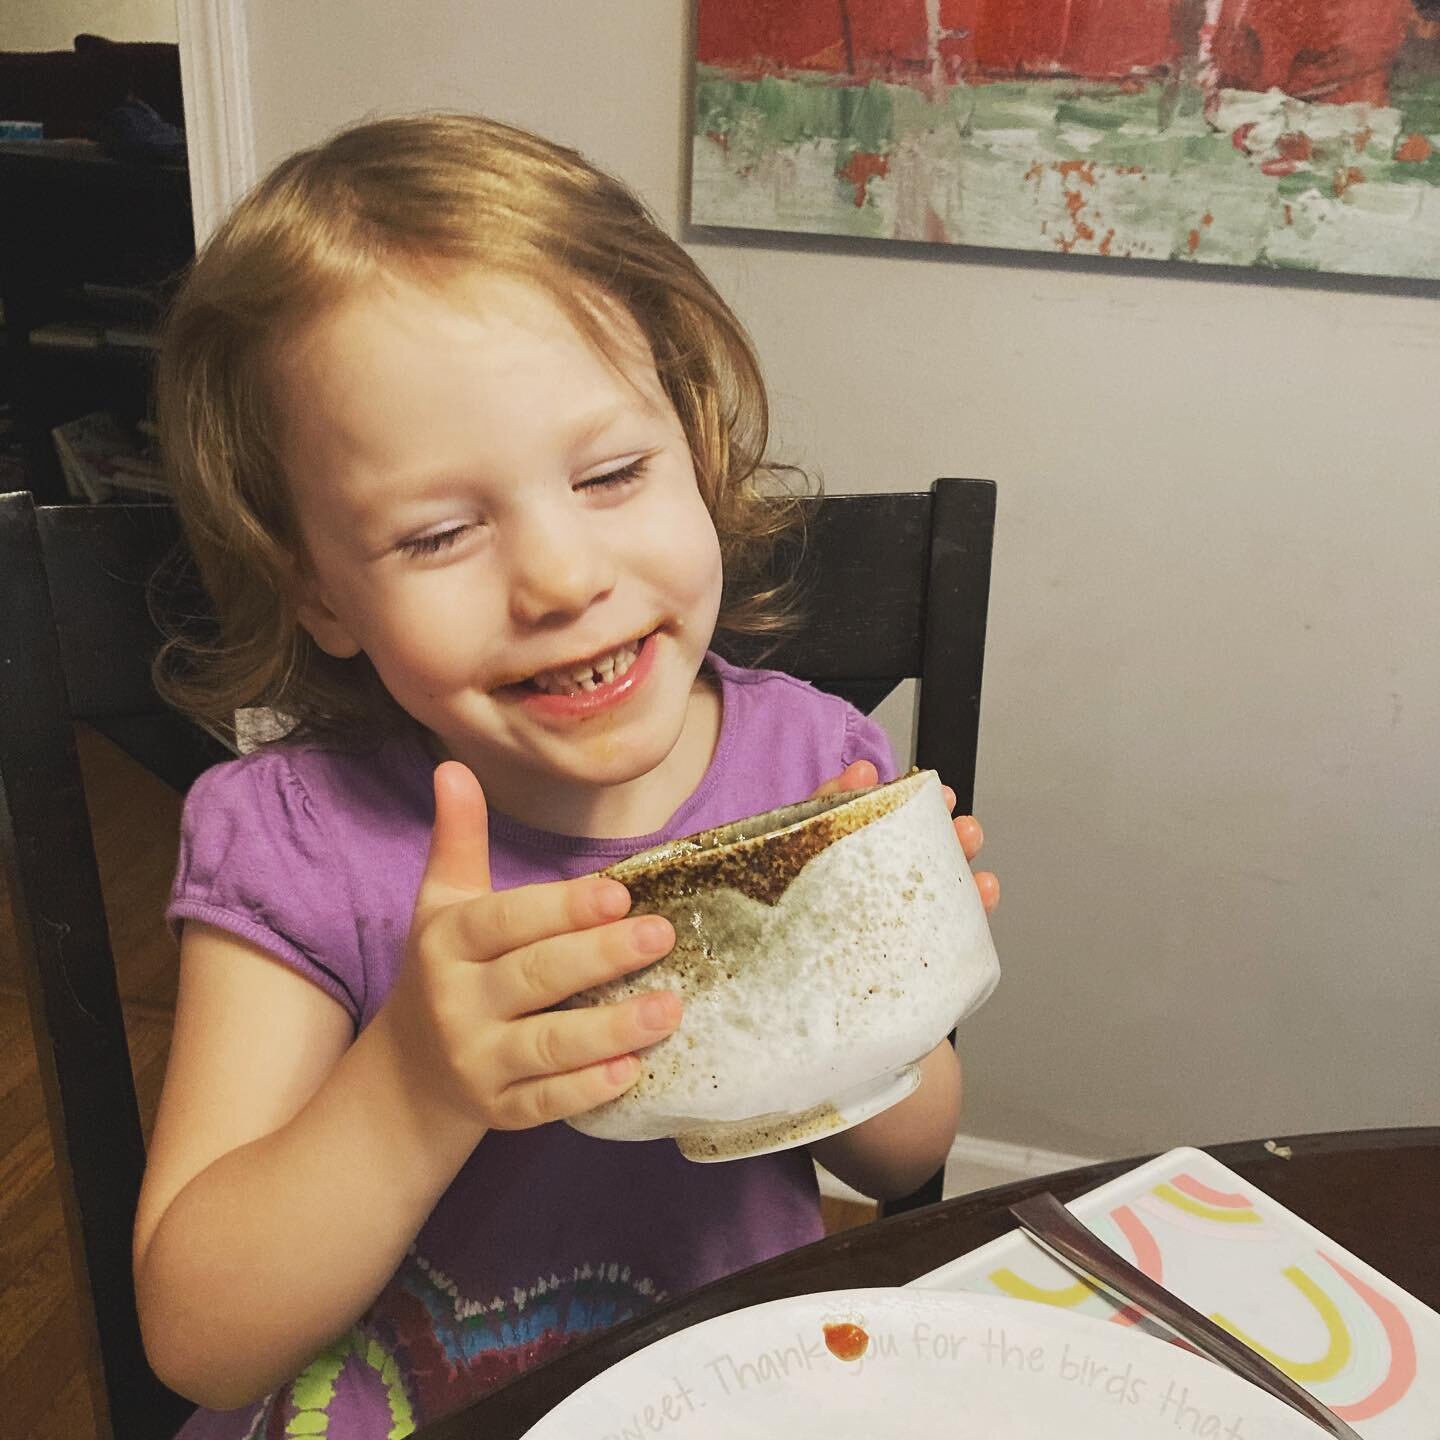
(99, 560)
(863, 586)
(956, 612)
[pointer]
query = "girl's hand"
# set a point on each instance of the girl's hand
(482, 970)
(862, 774)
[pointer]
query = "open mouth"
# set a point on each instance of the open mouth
(588, 675)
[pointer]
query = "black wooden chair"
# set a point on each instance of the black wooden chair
(900, 590)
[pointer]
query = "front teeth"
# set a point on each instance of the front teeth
(585, 678)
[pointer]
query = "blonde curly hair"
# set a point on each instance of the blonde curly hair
(423, 195)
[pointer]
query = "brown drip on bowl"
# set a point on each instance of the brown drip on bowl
(762, 867)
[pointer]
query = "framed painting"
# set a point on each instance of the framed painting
(1284, 133)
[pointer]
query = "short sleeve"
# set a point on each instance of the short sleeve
(866, 739)
(254, 861)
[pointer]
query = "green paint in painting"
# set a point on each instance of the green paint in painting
(1091, 113)
(775, 113)
(1417, 98)
(866, 117)
(1050, 164)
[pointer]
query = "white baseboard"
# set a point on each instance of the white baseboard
(976, 1164)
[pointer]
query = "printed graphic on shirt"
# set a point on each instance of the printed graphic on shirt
(424, 1350)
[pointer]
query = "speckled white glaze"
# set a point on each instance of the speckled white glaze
(821, 948)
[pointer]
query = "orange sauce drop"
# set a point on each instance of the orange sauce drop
(846, 1341)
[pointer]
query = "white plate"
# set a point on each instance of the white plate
(938, 1366)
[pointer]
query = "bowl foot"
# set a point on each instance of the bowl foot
(734, 1139)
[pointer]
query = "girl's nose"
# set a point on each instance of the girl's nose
(557, 570)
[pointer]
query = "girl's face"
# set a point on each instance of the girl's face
(509, 527)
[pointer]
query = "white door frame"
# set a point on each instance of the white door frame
(219, 133)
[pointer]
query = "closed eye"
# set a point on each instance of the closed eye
(434, 543)
(631, 471)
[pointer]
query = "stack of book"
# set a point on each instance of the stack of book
(103, 316)
(131, 313)
(101, 460)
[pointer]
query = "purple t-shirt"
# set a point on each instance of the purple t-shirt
(545, 1235)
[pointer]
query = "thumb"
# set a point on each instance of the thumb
(858, 775)
(459, 858)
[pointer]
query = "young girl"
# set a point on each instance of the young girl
(466, 450)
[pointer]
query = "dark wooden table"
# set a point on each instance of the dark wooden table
(1376, 1192)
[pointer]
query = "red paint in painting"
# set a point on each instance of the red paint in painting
(1292, 150)
(1082, 220)
(892, 39)
(1018, 37)
(1295, 145)
(1085, 169)
(767, 35)
(1329, 50)
(888, 39)
(861, 39)
(1414, 150)
(1312, 49)
(1091, 39)
(1344, 179)
(860, 169)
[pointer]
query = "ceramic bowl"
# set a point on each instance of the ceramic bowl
(821, 951)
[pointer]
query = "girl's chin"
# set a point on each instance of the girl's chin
(580, 765)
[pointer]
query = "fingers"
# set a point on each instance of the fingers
(972, 838)
(488, 926)
(970, 835)
(535, 977)
(988, 885)
(859, 775)
(573, 1060)
(459, 858)
(560, 1041)
(557, 1097)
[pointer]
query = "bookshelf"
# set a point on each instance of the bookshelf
(89, 248)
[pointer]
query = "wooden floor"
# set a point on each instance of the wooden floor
(136, 820)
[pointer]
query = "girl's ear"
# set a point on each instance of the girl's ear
(312, 610)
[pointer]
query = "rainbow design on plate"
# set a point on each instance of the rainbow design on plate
(1368, 1350)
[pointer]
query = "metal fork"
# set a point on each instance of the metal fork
(1047, 1221)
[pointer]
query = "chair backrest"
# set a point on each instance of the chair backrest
(899, 590)
(76, 640)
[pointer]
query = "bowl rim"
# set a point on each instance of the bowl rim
(782, 821)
